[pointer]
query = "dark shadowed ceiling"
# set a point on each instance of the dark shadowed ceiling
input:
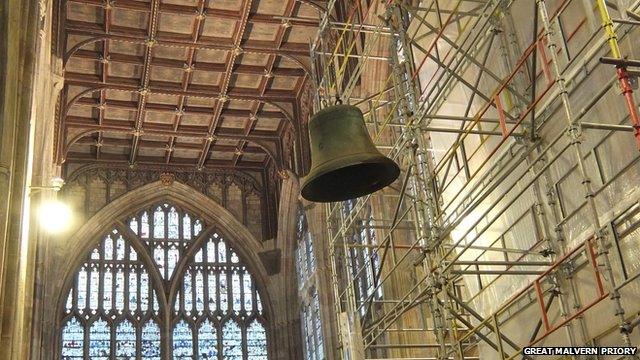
(190, 83)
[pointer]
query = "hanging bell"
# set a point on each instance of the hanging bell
(344, 162)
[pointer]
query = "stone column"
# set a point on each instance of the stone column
(29, 93)
(19, 38)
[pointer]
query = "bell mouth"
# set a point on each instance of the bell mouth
(351, 181)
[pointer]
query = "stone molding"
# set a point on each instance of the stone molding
(68, 253)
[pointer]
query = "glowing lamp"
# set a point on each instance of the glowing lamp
(55, 216)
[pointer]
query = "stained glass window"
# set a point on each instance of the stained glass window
(73, 339)
(364, 261)
(173, 232)
(150, 344)
(99, 340)
(110, 285)
(207, 341)
(125, 341)
(256, 341)
(231, 341)
(216, 286)
(307, 284)
(182, 341)
(113, 310)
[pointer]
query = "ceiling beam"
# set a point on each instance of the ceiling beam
(238, 35)
(209, 92)
(151, 144)
(133, 35)
(109, 158)
(195, 10)
(187, 110)
(181, 65)
(155, 129)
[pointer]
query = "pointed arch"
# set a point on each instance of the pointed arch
(216, 289)
(179, 208)
(112, 295)
(179, 194)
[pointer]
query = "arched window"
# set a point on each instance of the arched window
(307, 287)
(114, 307)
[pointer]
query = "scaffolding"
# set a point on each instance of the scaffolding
(516, 219)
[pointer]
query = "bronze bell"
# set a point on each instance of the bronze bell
(344, 162)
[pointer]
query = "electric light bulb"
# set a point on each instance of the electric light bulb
(55, 216)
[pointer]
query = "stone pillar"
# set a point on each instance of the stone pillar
(286, 339)
(316, 219)
(27, 108)
(19, 51)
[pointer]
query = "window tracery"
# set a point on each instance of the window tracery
(219, 293)
(363, 261)
(173, 231)
(112, 309)
(307, 283)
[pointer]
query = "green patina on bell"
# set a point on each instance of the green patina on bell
(345, 163)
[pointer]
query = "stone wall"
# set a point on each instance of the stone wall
(90, 188)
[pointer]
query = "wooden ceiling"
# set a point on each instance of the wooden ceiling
(190, 83)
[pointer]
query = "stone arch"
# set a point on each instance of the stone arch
(113, 214)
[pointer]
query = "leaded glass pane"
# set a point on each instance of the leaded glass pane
(125, 341)
(108, 248)
(211, 251)
(177, 305)
(72, 340)
(256, 341)
(120, 290)
(133, 225)
(207, 341)
(94, 288)
(172, 232)
(144, 291)
(224, 300)
(124, 320)
(222, 252)
(226, 285)
(158, 223)
(231, 341)
(212, 290)
(186, 226)
(235, 290)
(108, 285)
(188, 299)
(247, 293)
(199, 291)
(197, 228)
(82, 289)
(69, 303)
(259, 304)
(133, 290)
(310, 312)
(120, 247)
(107, 293)
(158, 257)
(144, 225)
(173, 224)
(99, 340)
(182, 341)
(150, 345)
(173, 255)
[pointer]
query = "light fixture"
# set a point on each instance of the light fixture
(56, 184)
(55, 216)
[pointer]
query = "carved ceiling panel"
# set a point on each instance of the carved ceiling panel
(203, 83)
